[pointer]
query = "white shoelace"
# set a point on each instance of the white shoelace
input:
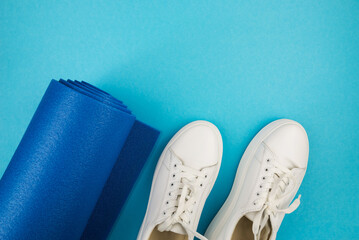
(180, 206)
(276, 183)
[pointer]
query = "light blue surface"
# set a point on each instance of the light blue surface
(238, 64)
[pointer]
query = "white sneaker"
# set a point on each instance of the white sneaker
(268, 177)
(184, 177)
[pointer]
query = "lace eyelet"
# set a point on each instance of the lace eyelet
(266, 169)
(264, 178)
(164, 213)
(167, 202)
(268, 160)
(260, 186)
(254, 203)
(205, 176)
(171, 184)
(169, 194)
(257, 194)
(201, 184)
(175, 165)
(174, 175)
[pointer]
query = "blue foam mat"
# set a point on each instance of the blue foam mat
(99, 92)
(138, 146)
(63, 162)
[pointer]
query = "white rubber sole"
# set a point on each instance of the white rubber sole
(226, 210)
(162, 157)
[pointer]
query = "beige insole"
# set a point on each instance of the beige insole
(157, 235)
(243, 230)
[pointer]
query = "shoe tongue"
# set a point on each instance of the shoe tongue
(177, 228)
(251, 215)
(265, 231)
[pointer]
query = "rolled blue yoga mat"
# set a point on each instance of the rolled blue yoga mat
(70, 168)
(136, 149)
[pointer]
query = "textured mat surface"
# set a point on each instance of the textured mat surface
(63, 162)
(136, 150)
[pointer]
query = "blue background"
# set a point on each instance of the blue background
(239, 64)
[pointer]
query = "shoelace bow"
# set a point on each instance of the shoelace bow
(183, 200)
(276, 195)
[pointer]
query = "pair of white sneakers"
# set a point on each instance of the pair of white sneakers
(267, 180)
